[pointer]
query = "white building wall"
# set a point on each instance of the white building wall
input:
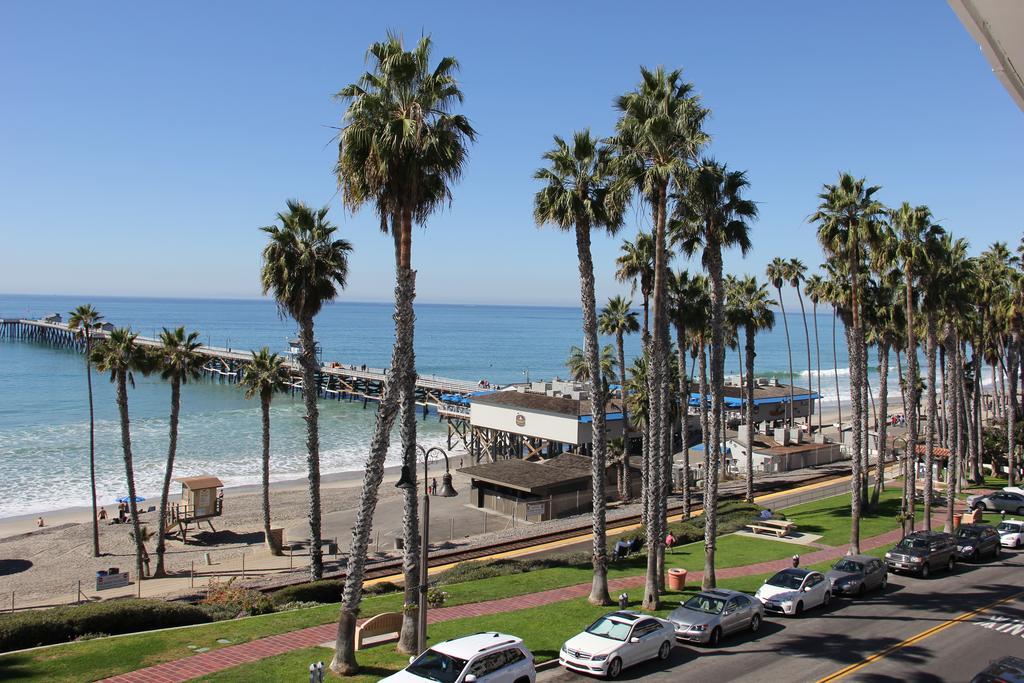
(561, 428)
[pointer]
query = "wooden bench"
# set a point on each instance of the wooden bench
(780, 529)
(778, 524)
(383, 628)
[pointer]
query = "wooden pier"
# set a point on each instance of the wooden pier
(335, 381)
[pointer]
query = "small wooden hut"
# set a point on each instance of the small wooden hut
(201, 501)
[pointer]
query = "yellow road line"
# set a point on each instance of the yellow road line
(916, 639)
(554, 545)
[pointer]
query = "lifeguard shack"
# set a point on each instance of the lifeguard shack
(201, 501)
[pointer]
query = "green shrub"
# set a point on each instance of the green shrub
(476, 570)
(243, 601)
(381, 588)
(324, 591)
(61, 624)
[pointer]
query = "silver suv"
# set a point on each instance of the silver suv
(489, 657)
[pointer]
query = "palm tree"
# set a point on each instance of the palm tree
(178, 360)
(577, 182)
(636, 265)
(579, 368)
(617, 319)
(812, 288)
(304, 267)
(401, 148)
(912, 248)
(714, 215)
(847, 217)
(264, 376)
(84, 321)
(119, 355)
(688, 313)
(752, 305)
(777, 272)
(658, 135)
(795, 274)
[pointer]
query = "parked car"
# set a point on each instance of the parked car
(856, 575)
(921, 552)
(482, 657)
(974, 541)
(709, 615)
(617, 641)
(1000, 501)
(1014, 489)
(1005, 670)
(791, 591)
(1011, 533)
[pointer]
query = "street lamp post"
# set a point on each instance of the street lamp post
(899, 444)
(406, 482)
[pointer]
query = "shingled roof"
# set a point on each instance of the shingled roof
(532, 477)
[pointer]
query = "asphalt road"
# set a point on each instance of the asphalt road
(946, 628)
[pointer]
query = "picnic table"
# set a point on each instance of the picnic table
(779, 527)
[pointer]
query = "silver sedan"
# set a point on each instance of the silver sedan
(1000, 501)
(709, 615)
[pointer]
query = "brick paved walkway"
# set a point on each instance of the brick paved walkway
(207, 663)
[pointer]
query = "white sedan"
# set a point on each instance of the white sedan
(791, 591)
(1011, 533)
(616, 641)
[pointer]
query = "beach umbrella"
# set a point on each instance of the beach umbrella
(124, 499)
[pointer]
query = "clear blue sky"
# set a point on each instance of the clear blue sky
(142, 145)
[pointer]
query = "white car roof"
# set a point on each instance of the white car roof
(468, 647)
(1014, 489)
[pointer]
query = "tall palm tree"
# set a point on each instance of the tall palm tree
(777, 272)
(914, 235)
(264, 376)
(304, 266)
(658, 135)
(812, 288)
(119, 355)
(795, 274)
(847, 218)
(617, 319)
(84, 321)
(714, 215)
(579, 368)
(576, 196)
(688, 313)
(401, 148)
(635, 265)
(178, 360)
(753, 308)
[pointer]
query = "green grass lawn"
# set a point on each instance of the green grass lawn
(830, 517)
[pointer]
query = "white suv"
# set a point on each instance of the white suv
(489, 657)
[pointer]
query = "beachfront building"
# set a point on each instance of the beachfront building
(775, 450)
(538, 490)
(771, 401)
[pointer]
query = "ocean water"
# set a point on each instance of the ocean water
(44, 411)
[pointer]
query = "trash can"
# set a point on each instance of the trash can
(399, 543)
(957, 517)
(676, 579)
(278, 536)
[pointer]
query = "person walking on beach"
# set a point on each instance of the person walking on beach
(433, 486)
(103, 513)
(39, 522)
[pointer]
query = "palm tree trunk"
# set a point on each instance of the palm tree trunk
(899, 377)
(835, 369)
(310, 392)
(789, 354)
(92, 445)
(129, 468)
(1012, 361)
(407, 641)
(599, 437)
(979, 431)
(807, 336)
(272, 544)
(865, 415)
(684, 402)
(883, 424)
(749, 409)
(817, 357)
(344, 662)
(856, 392)
(953, 438)
(929, 434)
(713, 254)
(627, 475)
(910, 486)
(165, 491)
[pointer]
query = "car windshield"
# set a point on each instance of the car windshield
(437, 666)
(607, 628)
(963, 532)
(705, 603)
(912, 544)
(786, 579)
(1011, 527)
(848, 566)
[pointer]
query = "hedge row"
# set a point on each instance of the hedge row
(61, 624)
(325, 591)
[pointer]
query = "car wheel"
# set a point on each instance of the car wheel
(925, 571)
(755, 623)
(975, 557)
(861, 591)
(665, 651)
(524, 679)
(799, 609)
(885, 582)
(1020, 511)
(997, 551)
(828, 598)
(980, 506)
(716, 637)
(614, 668)
(950, 564)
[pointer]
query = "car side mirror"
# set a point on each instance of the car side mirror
(807, 589)
(470, 678)
(634, 639)
(412, 659)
